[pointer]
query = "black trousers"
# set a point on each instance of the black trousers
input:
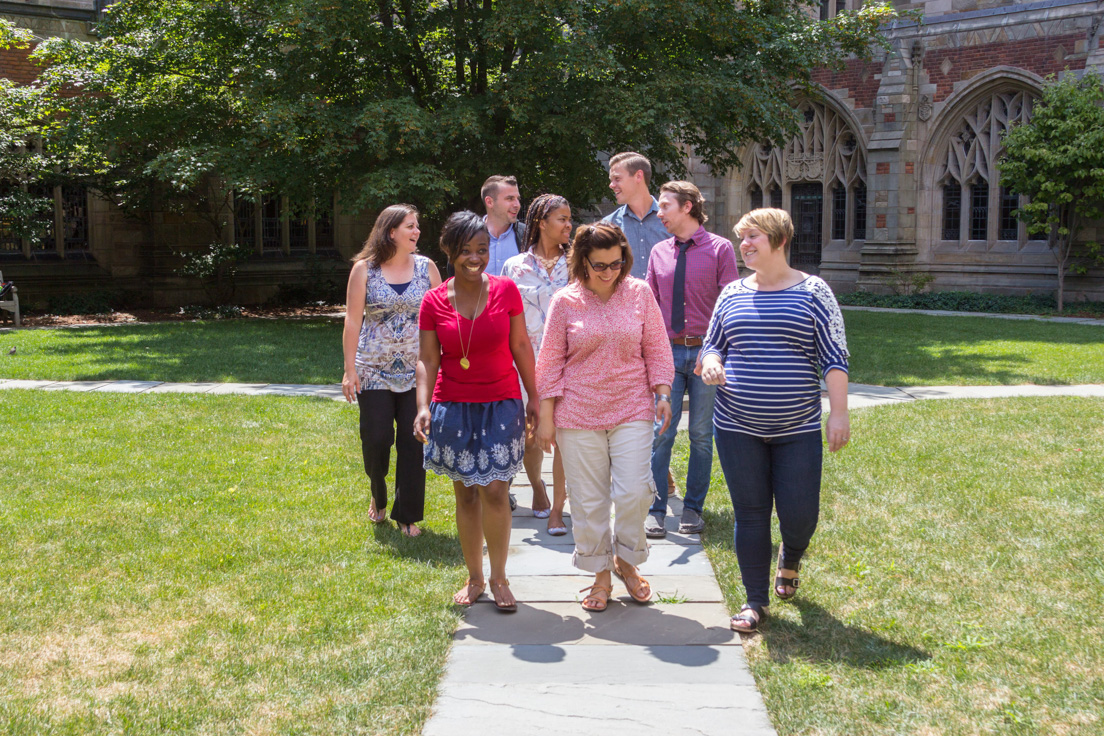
(380, 412)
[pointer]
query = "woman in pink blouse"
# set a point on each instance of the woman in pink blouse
(605, 353)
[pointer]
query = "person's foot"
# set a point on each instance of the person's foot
(513, 501)
(653, 527)
(409, 530)
(556, 525)
(639, 588)
(597, 599)
(748, 619)
(542, 507)
(785, 579)
(691, 522)
(470, 593)
(375, 515)
(503, 598)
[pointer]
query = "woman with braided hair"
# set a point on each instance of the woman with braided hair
(539, 271)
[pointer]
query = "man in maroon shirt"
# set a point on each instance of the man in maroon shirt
(686, 274)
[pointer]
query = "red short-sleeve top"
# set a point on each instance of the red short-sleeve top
(491, 375)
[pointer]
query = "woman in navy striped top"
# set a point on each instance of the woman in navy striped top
(771, 338)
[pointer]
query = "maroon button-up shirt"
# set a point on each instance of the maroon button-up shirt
(710, 265)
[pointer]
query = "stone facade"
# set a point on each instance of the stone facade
(91, 246)
(896, 170)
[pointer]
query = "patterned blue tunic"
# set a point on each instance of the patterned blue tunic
(387, 352)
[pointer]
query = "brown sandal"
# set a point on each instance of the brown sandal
(479, 588)
(639, 588)
(496, 588)
(592, 602)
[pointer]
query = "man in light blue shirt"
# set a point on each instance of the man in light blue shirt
(630, 174)
(502, 199)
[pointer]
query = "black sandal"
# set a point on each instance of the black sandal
(750, 615)
(781, 582)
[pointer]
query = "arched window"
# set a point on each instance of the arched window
(859, 228)
(839, 212)
(756, 198)
(776, 197)
(971, 169)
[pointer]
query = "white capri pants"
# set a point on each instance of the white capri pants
(604, 466)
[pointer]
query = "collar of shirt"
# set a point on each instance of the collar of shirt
(654, 209)
(700, 236)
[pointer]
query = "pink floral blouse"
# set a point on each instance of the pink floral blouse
(601, 360)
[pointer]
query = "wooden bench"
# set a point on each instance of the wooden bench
(11, 304)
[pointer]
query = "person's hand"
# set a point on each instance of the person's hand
(663, 415)
(532, 417)
(838, 430)
(421, 425)
(698, 364)
(546, 434)
(711, 371)
(350, 386)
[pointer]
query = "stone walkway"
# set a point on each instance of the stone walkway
(669, 667)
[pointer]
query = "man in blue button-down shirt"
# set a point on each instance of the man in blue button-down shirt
(630, 174)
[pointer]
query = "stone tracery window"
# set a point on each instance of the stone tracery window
(971, 166)
(826, 150)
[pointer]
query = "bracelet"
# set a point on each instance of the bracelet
(663, 397)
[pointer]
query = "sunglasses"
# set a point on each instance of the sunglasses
(615, 266)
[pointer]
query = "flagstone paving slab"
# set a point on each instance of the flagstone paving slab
(183, 388)
(653, 624)
(556, 560)
(128, 387)
(565, 588)
(75, 386)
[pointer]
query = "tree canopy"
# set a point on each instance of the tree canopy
(1056, 160)
(421, 100)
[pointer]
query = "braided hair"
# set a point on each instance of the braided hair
(539, 209)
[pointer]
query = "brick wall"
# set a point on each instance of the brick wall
(15, 65)
(858, 77)
(1039, 55)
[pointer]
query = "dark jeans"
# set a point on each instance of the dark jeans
(780, 471)
(380, 412)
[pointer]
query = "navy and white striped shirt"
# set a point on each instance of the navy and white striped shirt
(774, 346)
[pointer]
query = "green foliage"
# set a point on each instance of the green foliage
(963, 301)
(93, 302)
(21, 123)
(420, 101)
(1057, 160)
(216, 265)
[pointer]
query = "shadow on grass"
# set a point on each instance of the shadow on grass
(428, 547)
(821, 637)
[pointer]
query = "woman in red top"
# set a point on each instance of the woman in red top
(472, 333)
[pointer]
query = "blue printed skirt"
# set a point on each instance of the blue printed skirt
(476, 443)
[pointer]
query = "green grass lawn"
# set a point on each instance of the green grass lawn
(955, 584)
(204, 564)
(920, 350)
(245, 351)
(888, 349)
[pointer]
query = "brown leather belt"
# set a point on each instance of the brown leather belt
(689, 342)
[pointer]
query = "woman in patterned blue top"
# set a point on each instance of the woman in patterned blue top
(380, 341)
(771, 338)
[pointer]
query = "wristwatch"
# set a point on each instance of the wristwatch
(663, 397)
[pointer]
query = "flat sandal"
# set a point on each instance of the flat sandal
(590, 596)
(781, 582)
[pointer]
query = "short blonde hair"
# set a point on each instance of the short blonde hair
(774, 223)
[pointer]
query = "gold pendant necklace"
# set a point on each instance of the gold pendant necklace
(464, 362)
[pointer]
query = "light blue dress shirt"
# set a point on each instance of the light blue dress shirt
(642, 234)
(503, 248)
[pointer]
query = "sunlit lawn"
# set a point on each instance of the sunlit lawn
(955, 584)
(887, 349)
(205, 564)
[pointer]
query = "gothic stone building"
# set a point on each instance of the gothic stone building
(896, 168)
(895, 171)
(90, 246)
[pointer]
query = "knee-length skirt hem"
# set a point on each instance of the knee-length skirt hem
(476, 444)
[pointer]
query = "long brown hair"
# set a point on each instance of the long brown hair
(379, 248)
(539, 209)
(599, 236)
